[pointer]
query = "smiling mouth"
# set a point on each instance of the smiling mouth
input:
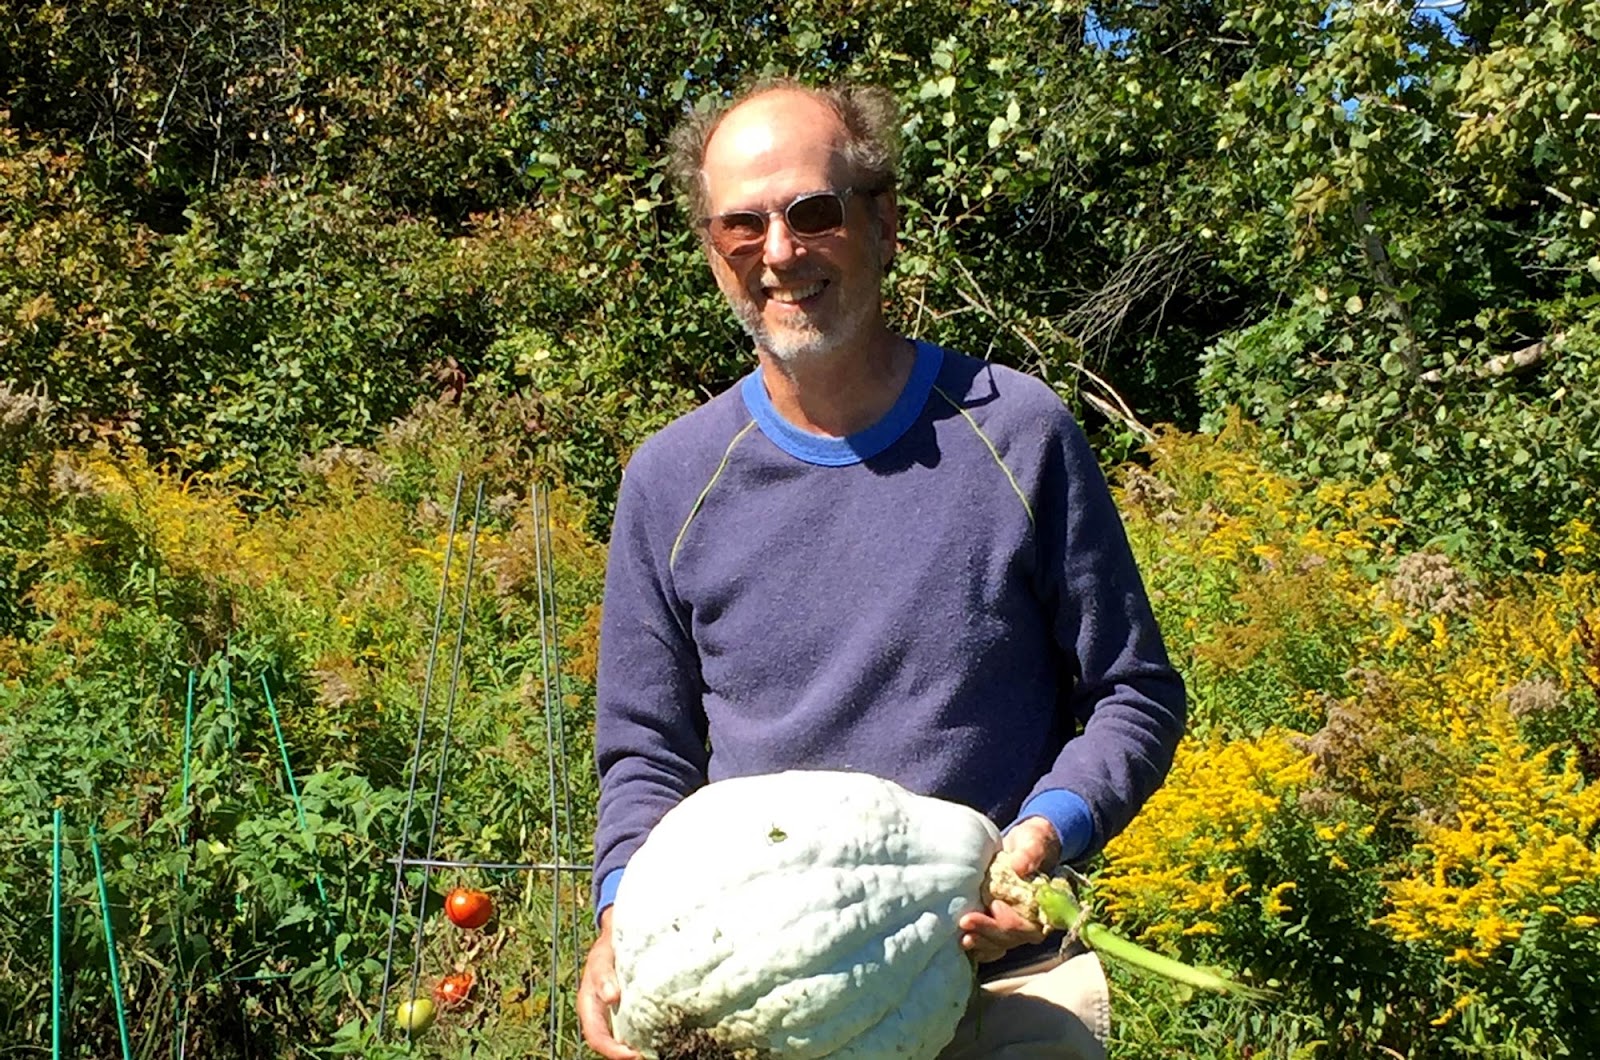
(795, 295)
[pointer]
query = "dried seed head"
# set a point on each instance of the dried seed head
(363, 464)
(1144, 490)
(1427, 583)
(22, 412)
(335, 686)
(1537, 695)
(69, 480)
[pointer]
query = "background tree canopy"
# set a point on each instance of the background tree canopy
(236, 230)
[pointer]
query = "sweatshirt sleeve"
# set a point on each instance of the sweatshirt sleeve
(1123, 690)
(650, 727)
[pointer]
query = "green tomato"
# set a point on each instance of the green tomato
(415, 1016)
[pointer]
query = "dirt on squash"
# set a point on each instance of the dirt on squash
(683, 1041)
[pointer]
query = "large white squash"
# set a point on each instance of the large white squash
(799, 915)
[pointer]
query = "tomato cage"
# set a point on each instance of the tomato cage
(467, 908)
(522, 923)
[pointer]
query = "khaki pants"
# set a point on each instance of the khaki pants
(1053, 1010)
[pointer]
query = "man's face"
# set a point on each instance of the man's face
(798, 298)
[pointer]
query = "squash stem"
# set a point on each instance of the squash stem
(1059, 909)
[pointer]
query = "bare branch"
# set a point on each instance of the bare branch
(1116, 416)
(1378, 258)
(1099, 317)
(1501, 364)
(1106, 401)
(177, 82)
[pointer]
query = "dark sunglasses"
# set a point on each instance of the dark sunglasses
(813, 214)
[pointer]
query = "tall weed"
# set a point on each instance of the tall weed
(1388, 805)
(250, 888)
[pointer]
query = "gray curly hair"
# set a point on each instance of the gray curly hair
(870, 114)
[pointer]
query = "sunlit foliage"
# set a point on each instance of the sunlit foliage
(1404, 834)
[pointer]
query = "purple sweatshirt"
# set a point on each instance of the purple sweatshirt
(946, 599)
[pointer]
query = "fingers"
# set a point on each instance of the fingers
(989, 935)
(1033, 846)
(598, 994)
(982, 949)
(594, 1018)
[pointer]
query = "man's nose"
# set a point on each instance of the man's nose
(780, 244)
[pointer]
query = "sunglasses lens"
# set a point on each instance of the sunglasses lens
(732, 232)
(814, 215)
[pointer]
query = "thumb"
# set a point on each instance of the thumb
(609, 991)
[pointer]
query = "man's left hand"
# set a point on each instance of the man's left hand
(1033, 847)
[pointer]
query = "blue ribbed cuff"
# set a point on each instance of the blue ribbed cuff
(1069, 814)
(608, 892)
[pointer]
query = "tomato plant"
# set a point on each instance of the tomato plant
(468, 908)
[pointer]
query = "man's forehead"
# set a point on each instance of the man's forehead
(784, 124)
(748, 139)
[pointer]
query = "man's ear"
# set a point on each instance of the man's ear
(886, 209)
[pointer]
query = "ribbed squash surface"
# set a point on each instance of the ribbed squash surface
(799, 915)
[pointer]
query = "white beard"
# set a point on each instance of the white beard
(803, 341)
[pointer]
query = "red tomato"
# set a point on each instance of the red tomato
(467, 908)
(453, 990)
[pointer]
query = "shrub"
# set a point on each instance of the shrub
(1401, 834)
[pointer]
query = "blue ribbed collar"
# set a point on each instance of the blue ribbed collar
(828, 451)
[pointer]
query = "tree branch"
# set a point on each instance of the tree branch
(1107, 402)
(1501, 364)
(1378, 258)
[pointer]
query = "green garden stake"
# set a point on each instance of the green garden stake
(233, 742)
(188, 752)
(227, 704)
(299, 807)
(111, 945)
(55, 940)
(179, 1018)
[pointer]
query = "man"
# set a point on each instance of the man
(872, 554)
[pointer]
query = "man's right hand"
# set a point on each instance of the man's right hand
(598, 994)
